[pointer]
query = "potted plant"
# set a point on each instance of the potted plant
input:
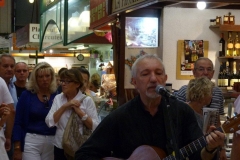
(94, 53)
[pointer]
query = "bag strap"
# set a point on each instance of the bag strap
(82, 98)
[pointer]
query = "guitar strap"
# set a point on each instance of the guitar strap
(169, 128)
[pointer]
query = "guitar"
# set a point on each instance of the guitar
(146, 152)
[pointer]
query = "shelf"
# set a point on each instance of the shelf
(230, 57)
(226, 28)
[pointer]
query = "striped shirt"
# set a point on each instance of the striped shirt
(217, 98)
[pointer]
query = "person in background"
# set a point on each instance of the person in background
(5, 102)
(7, 64)
(141, 121)
(32, 137)
(203, 67)
(95, 82)
(236, 136)
(66, 103)
(57, 79)
(21, 74)
(199, 94)
(59, 88)
(86, 77)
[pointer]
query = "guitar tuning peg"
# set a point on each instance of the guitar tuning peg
(227, 117)
(239, 126)
(231, 130)
(235, 113)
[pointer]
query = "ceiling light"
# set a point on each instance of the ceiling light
(73, 21)
(84, 18)
(31, 1)
(201, 5)
(72, 48)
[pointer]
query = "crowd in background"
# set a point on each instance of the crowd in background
(35, 109)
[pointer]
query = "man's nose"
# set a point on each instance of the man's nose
(153, 77)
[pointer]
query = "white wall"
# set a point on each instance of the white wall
(190, 24)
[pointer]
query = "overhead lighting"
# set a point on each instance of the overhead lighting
(82, 47)
(84, 18)
(72, 48)
(201, 5)
(31, 1)
(73, 21)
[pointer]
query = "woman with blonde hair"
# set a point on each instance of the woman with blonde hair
(199, 94)
(32, 137)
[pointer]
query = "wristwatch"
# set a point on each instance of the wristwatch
(84, 118)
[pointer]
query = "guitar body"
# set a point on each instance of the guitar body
(144, 152)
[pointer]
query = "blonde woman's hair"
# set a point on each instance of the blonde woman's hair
(39, 68)
(198, 88)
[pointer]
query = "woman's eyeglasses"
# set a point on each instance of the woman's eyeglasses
(45, 100)
(65, 81)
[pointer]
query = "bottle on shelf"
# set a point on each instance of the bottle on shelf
(220, 79)
(236, 46)
(234, 77)
(229, 45)
(222, 46)
(224, 79)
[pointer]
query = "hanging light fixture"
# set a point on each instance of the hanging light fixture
(31, 1)
(84, 17)
(73, 21)
(201, 5)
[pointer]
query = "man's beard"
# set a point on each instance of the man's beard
(152, 95)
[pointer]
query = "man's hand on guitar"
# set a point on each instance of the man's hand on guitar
(214, 139)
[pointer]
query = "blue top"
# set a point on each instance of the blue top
(30, 117)
(13, 92)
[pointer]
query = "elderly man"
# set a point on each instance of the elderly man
(140, 125)
(21, 74)
(203, 67)
(7, 63)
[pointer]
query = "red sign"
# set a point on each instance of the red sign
(2, 3)
(99, 14)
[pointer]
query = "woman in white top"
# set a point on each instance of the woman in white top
(5, 101)
(66, 103)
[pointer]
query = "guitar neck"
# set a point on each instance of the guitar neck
(191, 148)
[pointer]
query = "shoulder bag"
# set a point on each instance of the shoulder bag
(72, 138)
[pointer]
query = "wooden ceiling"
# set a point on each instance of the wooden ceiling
(211, 4)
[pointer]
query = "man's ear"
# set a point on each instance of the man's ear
(133, 81)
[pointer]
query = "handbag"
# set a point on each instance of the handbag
(72, 138)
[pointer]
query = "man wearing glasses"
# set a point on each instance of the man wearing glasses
(21, 74)
(203, 67)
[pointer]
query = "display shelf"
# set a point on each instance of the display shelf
(229, 57)
(227, 28)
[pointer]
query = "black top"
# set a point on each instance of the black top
(19, 90)
(131, 126)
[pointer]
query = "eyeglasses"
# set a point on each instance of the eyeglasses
(65, 81)
(21, 70)
(45, 100)
(201, 69)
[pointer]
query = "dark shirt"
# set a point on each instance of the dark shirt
(131, 126)
(19, 90)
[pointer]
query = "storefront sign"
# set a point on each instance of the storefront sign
(99, 13)
(122, 5)
(30, 34)
(2, 3)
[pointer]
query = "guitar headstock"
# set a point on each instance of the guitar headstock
(232, 125)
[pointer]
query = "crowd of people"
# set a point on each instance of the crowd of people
(34, 113)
